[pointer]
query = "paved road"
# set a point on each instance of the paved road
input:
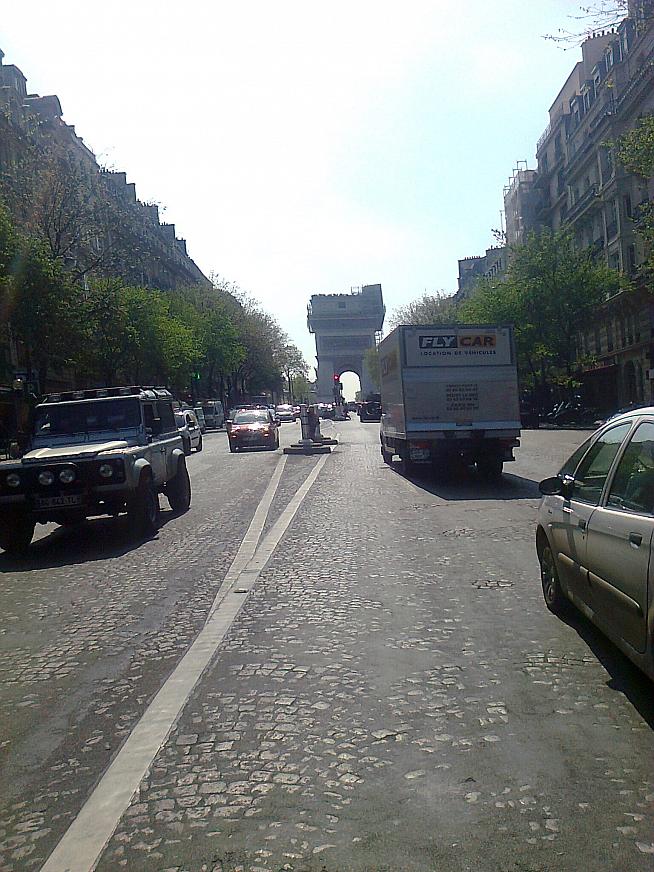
(375, 684)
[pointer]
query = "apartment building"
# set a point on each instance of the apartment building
(582, 187)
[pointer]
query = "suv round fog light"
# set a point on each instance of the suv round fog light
(13, 480)
(106, 470)
(46, 477)
(66, 476)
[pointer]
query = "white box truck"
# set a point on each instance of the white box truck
(449, 395)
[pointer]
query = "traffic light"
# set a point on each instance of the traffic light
(337, 378)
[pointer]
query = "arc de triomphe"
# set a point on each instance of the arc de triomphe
(345, 326)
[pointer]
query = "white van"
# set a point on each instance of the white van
(214, 414)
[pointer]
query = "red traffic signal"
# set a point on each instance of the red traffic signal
(337, 378)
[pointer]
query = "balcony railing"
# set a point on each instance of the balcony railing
(582, 203)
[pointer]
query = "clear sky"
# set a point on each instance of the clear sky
(305, 147)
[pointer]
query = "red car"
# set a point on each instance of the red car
(253, 428)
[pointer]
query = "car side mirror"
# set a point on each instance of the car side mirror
(556, 486)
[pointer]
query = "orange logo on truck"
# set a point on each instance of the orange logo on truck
(480, 341)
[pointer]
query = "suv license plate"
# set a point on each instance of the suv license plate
(56, 502)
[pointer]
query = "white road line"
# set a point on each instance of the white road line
(84, 841)
(251, 539)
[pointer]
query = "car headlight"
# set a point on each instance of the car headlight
(13, 480)
(66, 476)
(106, 470)
(46, 477)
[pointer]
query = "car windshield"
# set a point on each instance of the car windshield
(180, 420)
(252, 417)
(86, 417)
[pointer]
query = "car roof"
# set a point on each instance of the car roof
(630, 413)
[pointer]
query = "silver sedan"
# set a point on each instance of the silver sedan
(594, 534)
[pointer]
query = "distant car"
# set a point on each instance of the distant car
(214, 414)
(253, 428)
(325, 410)
(285, 413)
(189, 430)
(595, 531)
(370, 411)
(202, 421)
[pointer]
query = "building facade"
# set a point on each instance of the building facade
(580, 186)
(150, 254)
(491, 265)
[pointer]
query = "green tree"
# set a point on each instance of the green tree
(289, 358)
(635, 151)
(438, 308)
(373, 367)
(40, 304)
(8, 243)
(550, 291)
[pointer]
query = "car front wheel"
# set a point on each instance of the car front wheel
(16, 531)
(143, 509)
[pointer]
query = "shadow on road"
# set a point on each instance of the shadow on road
(625, 678)
(94, 539)
(467, 484)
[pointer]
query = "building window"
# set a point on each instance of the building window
(631, 255)
(598, 341)
(609, 336)
(622, 333)
(626, 200)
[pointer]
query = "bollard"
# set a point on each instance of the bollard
(309, 443)
(304, 423)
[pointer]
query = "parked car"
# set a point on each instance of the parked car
(595, 532)
(202, 421)
(95, 452)
(189, 430)
(253, 428)
(214, 414)
(285, 413)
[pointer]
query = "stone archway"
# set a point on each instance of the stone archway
(345, 327)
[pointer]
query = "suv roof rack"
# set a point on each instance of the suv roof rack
(151, 393)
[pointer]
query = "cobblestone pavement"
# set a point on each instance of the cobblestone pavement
(392, 696)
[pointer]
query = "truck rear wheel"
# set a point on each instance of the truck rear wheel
(490, 467)
(16, 531)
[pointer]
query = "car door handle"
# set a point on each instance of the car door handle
(635, 539)
(581, 523)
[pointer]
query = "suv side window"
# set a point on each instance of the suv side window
(594, 468)
(165, 411)
(632, 489)
(148, 416)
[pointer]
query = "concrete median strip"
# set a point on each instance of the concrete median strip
(83, 843)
